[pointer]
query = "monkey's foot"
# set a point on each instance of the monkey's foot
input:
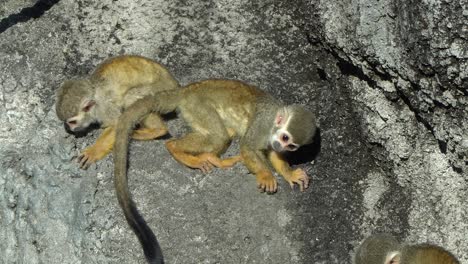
(191, 161)
(148, 133)
(199, 163)
(206, 161)
(299, 177)
(266, 182)
(218, 162)
(90, 155)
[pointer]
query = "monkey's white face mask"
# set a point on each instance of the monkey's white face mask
(281, 139)
(83, 119)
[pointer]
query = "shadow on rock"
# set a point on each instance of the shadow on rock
(306, 153)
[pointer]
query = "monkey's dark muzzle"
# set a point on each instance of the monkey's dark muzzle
(79, 132)
(67, 128)
(277, 147)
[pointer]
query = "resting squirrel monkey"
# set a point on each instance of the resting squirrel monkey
(99, 99)
(217, 111)
(385, 249)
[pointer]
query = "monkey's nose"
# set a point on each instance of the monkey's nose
(67, 128)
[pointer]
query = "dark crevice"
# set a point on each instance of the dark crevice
(457, 170)
(440, 104)
(463, 90)
(407, 101)
(442, 144)
(113, 35)
(322, 74)
(27, 13)
(348, 68)
(383, 75)
(311, 40)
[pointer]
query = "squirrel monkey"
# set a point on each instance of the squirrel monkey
(99, 99)
(385, 249)
(217, 111)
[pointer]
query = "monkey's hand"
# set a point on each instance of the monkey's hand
(99, 150)
(90, 155)
(266, 182)
(255, 161)
(299, 177)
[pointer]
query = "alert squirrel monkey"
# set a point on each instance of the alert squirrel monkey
(99, 99)
(217, 111)
(385, 249)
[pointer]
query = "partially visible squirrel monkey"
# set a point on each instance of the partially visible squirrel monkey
(99, 99)
(385, 249)
(217, 111)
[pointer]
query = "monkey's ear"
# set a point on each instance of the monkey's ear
(281, 118)
(278, 119)
(87, 105)
(393, 258)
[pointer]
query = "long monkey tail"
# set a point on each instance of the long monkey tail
(162, 102)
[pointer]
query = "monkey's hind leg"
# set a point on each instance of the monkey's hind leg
(218, 162)
(198, 151)
(151, 127)
(201, 148)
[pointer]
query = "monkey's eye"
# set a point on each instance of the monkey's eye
(285, 137)
(72, 122)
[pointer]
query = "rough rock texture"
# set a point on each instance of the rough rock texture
(387, 79)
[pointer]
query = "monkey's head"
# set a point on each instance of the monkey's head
(75, 105)
(425, 254)
(385, 249)
(378, 249)
(294, 126)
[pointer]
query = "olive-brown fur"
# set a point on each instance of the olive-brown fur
(384, 249)
(217, 111)
(100, 98)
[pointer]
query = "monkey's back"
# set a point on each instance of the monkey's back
(122, 80)
(234, 102)
(126, 72)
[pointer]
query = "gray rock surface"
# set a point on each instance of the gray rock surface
(387, 79)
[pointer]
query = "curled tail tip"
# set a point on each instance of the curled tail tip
(156, 259)
(146, 236)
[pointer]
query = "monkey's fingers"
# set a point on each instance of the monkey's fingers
(270, 187)
(218, 162)
(300, 178)
(229, 162)
(206, 167)
(266, 182)
(203, 165)
(89, 156)
(84, 161)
